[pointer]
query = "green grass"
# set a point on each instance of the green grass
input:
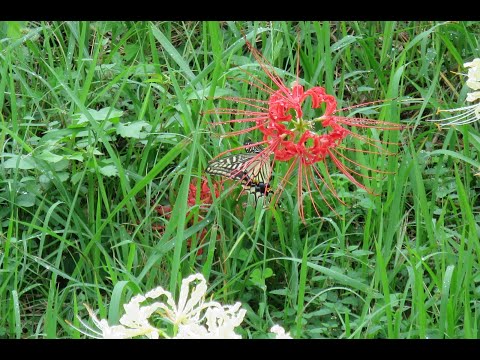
(102, 122)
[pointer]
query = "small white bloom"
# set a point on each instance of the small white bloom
(280, 332)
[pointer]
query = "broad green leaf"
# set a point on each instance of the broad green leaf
(109, 170)
(24, 162)
(111, 115)
(134, 129)
(26, 200)
(49, 157)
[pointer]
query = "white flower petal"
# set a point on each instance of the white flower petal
(186, 308)
(222, 320)
(119, 332)
(473, 81)
(108, 332)
(473, 96)
(157, 292)
(474, 85)
(474, 63)
(192, 331)
(280, 332)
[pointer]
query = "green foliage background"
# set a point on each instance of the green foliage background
(101, 122)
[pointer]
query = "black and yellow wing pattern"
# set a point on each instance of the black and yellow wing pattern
(253, 169)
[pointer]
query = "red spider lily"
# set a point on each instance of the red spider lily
(206, 196)
(164, 210)
(205, 200)
(311, 145)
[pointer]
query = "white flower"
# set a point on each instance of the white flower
(191, 311)
(190, 304)
(471, 113)
(280, 332)
(220, 324)
(191, 316)
(222, 320)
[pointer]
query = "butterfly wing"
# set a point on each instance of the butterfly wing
(253, 169)
(252, 149)
(236, 167)
(259, 170)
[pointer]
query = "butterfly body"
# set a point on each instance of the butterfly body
(260, 189)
